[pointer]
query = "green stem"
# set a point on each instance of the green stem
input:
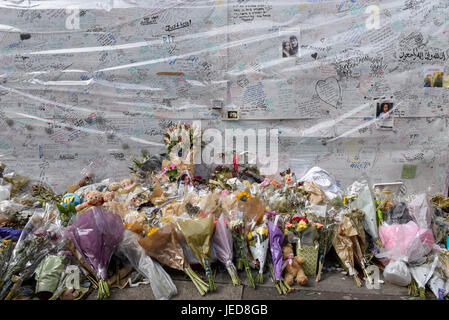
(209, 275)
(199, 284)
(233, 273)
(260, 277)
(276, 284)
(248, 272)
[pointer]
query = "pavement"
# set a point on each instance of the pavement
(334, 285)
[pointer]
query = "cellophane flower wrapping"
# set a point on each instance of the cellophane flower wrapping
(96, 234)
(40, 237)
(411, 240)
(164, 246)
(198, 235)
(276, 240)
(48, 274)
(161, 283)
(258, 245)
(222, 243)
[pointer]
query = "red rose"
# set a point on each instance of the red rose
(295, 219)
(304, 219)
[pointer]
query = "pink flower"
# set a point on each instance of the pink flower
(164, 170)
(224, 193)
(265, 183)
(172, 166)
(318, 225)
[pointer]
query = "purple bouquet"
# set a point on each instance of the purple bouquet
(222, 243)
(96, 234)
(276, 241)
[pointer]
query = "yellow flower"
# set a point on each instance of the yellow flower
(250, 236)
(243, 194)
(260, 231)
(266, 232)
(301, 226)
(153, 230)
(167, 219)
(345, 200)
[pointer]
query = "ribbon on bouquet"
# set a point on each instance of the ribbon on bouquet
(289, 260)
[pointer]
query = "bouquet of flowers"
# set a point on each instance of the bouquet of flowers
(198, 235)
(299, 229)
(171, 172)
(219, 178)
(25, 258)
(39, 238)
(181, 134)
(349, 243)
(6, 248)
(223, 247)
(96, 234)
(276, 198)
(163, 245)
(305, 234)
(326, 238)
(48, 275)
(258, 244)
(161, 283)
(276, 240)
(237, 227)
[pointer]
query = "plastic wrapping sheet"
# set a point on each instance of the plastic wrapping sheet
(87, 84)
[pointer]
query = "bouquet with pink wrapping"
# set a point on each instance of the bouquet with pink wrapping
(222, 243)
(405, 245)
(402, 235)
(411, 240)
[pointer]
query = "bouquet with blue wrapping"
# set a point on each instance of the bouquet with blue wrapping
(96, 234)
(10, 234)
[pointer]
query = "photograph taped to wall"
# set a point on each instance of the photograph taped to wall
(385, 115)
(290, 44)
(434, 77)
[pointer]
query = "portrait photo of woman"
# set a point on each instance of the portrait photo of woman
(286, 47)
(384, 114)
(383, 111)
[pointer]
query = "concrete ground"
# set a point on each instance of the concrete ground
(334, 285)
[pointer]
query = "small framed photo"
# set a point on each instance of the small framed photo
(290, 42)
(232, 115)
(384, 115)
(434, 77)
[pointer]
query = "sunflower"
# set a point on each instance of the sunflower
(243, 196)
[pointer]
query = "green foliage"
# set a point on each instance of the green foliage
(137, 163)
(66, 213)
